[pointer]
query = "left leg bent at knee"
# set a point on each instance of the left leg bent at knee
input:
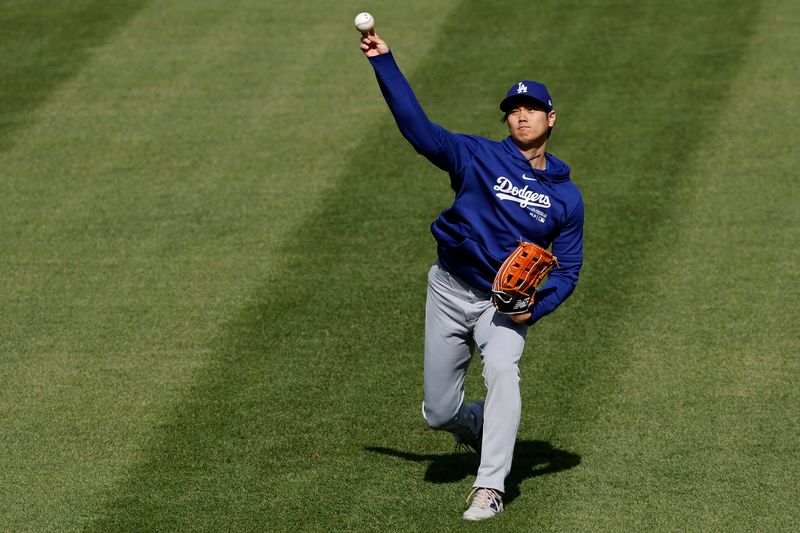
(499, 370)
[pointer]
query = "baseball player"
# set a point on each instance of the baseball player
(504, 191)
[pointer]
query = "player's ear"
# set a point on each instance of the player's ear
(551, 118)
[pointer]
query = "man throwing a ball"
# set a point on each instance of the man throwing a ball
(505, 191)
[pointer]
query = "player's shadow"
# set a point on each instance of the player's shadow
(532, 458)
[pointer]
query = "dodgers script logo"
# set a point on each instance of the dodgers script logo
(525, 197)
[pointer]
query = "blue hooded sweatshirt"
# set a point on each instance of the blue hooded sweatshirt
(499, 198)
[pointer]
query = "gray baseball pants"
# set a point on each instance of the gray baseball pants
(459, 318)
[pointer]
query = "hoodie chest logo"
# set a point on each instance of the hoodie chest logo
(525, 196)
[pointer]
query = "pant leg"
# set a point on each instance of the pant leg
(447, 355)
(501, 341)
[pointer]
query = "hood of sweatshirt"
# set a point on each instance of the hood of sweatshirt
(557, 170)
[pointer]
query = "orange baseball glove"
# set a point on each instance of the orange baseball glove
(516, 282)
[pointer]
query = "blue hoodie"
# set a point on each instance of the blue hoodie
(499, 198)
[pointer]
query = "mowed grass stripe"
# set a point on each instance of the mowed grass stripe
(43, 46)
(715, 428)
(697, 432)
(657, 87)
(213, 463)
(141, 205)
(281, 425)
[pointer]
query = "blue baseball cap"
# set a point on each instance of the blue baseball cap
(527, 89)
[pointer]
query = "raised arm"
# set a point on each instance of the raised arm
(446, 150)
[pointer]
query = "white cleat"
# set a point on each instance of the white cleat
(486, 503)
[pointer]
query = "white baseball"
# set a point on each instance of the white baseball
(364, 22)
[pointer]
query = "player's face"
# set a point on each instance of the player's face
(529, 123)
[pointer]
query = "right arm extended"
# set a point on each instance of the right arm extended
(446, 150)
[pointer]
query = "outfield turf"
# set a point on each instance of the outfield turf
(214, 246)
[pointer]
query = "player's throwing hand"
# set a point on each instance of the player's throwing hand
(372, 45)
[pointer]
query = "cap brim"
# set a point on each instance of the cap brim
(510, 101)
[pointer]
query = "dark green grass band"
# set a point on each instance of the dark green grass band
(43, 44)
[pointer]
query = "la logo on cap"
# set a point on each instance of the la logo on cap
(522, 88)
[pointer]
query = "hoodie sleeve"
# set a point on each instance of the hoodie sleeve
(568, 249)
(448, 151)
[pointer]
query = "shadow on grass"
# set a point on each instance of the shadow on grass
(532, 458)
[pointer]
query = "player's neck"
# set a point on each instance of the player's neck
(536, 156)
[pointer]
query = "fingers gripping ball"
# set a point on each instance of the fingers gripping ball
(516, 281)
(364, 22)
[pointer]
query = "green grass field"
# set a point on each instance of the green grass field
(195, 199)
